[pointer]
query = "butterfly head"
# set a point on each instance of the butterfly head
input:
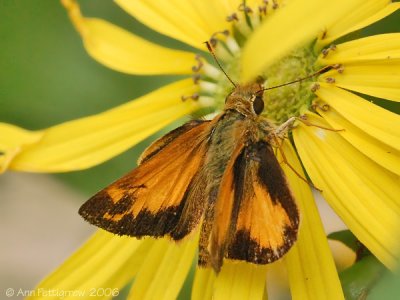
(246, 99)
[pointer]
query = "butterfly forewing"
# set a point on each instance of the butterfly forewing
(159, 144)
(149, 200)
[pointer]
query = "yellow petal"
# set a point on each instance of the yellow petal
(164, 270)
(240, 280)
(377, 122)
(14, 140)
(123, 51)
(85, 142)
(311, 269)
(290, 27)
(376, 78)
(361, 192)
(376, 47)
(203, 285)
(192, 22)
(383, 154)
(365, 14)
(105, 261)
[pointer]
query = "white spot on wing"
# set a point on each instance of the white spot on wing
(276, 253)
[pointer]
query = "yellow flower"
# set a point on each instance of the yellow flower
(357, 168)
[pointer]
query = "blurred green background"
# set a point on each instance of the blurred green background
(47, 78)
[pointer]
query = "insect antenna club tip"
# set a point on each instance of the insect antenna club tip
(211, 50)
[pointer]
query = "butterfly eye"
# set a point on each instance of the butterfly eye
(258, 105)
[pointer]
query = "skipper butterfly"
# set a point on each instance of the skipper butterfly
(221, 175)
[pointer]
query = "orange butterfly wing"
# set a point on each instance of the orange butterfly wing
(166, 139)
(256, 217)
(150, 199)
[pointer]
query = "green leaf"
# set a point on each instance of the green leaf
(346, 237)
(350, 240)
(358, 280)
(388, 288)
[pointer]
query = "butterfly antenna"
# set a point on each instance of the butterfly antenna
(210, 49)
(323, 70)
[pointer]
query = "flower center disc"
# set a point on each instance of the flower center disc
(280, 103)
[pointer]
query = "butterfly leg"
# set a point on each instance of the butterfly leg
(284, 128)
(275, 139)
(289, 124)
(304, 120)
(285, 161)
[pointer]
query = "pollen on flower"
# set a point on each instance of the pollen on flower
(283, 103)
(315, 87)
(194, 96)
(328, 50)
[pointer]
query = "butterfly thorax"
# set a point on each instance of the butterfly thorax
(227, 132)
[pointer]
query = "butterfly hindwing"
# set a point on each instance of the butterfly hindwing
(260, 221)
(149, 200)
(267, 215)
